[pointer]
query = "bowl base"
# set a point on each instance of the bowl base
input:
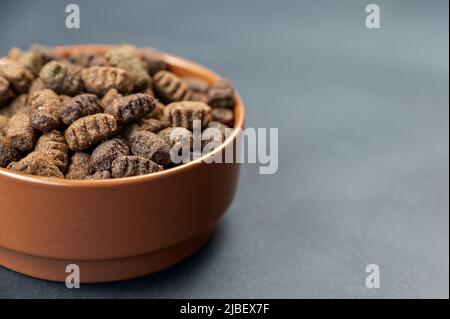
(102, 270)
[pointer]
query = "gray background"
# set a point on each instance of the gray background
(363, 122)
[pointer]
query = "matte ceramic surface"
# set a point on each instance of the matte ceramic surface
(115, 229)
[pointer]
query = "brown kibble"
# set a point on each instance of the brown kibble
(212, 138)
(170, 87)
(177, 135)
(90, 130)
(99, 175)
(225, 130)
(6, 93)
(20, 132)
(129, 58)
(62, 77)
(100, 79)
(151, 146)
(154, 61)
(80, 106)
(126, 166)
(47, 53)
(223, 115)
(53, 146)
(196, 84)
(36, 164)
(8, 153)
(88, 59)
(14, 53)
(31, 61)
(131, 108)
(80, 166)
(3, 124)
(36, 85)
(45, 106)
(110, 97)
(107, 152)
(182, 114)
(221, 94)
(19, 78)
(18, 105)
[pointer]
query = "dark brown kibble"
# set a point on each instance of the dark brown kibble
(212, 138)
(20, 132)
(80, 106)
(99, 175)
(129, 58)
(170, 87)
(196, 84)
(90, 130)
(36, 85)
(88, 59)
(36, 164)
(127, 166)
(3, 124)
(177, 135)
(150, 146)
(100, 79)
(131, 108)
(53, 146)
(47, 53)
(8, 153)
(19, 78)
(6, 93)
(45, 106)
(18, 105)
(110, 97)
(154, 61)
(223, 115)
(61, 77)
(221, 94)
(80, 166)
(31, 61)
(225, 130)
(182, 114)
(107, 152)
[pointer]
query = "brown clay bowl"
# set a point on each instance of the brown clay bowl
(115, 229)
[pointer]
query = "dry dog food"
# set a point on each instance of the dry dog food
(96, 116)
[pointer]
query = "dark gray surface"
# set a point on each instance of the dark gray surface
(364, 148)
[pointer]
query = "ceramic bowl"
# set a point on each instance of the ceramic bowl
(121, 228)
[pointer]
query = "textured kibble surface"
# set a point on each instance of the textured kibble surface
(91, 115)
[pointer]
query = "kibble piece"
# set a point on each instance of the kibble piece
(18, 77)
(223, 115)
(6, 93)
(99, 175)
(221, 94)
(47, 53)
(8, 153)
(211, 139)
(18, 105)
(128, 58)
(45, 107)
(182, 114)
(61, 77)
(151, 146)
(36, 85)
(3, 124)
(100, 79)
(36, 164)
(90, 130)
(53, 146)
(196, 84)
(31, 61)
(20, 132)
(225, 130)
(154, 61)
(176, 136)
(158, 111)
(131, 108)
(14, 53)
(110, 97)
(170, 87)
(80, 106)
(126, 166)
(107, 152)
(80, 166)
(87, 59)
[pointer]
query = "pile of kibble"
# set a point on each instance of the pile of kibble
(100, 116)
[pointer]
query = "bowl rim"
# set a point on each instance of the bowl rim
(172, 60)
